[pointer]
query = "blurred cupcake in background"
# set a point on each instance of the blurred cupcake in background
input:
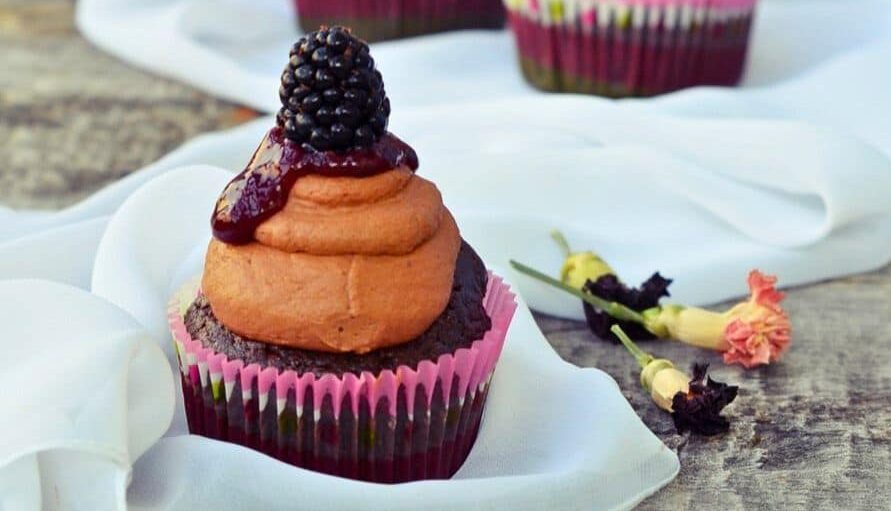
(378, 20)
(621, 48)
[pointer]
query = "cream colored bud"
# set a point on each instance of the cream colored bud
(653, 367)
(691, 325)
(666, 384)
(580, 267)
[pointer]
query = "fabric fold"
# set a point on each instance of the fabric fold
(99, 393)
(535, 442)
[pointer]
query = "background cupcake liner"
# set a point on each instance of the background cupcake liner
(376, 20)
(630, 47)
(396, 426)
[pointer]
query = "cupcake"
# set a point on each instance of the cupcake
(377, 20)
(621, 48)
(341, 324)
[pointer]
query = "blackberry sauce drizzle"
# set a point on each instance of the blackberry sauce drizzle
(261, 190)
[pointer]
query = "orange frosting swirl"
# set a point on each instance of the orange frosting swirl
(391, 213)
(348, 265)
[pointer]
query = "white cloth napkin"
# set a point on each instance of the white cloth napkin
(554, 436)
(703, 201)
(628, 178)
(235, 49)
(93, 392)
(86, 391)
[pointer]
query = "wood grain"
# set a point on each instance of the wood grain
(813, 432)
(72, 119)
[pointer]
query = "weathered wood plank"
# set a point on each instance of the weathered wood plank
(72, 119)
(813, 432)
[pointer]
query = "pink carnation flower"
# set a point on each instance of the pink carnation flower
(758, 331)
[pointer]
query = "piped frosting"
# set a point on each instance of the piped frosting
(348, 262)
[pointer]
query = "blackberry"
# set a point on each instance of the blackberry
(332, 96)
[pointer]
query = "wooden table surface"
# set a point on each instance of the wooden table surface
(812, 432)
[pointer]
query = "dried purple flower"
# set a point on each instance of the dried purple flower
(579, 267)
(588, 272)
(695, 404)
(610, 288)
(699, 409)
(754, 332)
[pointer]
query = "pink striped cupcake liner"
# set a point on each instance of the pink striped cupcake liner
(398, 425)
(376, 20)
(624, 48)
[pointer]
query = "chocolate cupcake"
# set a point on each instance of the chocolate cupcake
(378, 20)
(341, 323)
(624, 48)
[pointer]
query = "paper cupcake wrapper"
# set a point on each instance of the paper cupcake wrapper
(630, 47)
(376, 20)
(398, 425)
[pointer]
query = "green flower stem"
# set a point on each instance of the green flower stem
(643, 358)
(560, 239)
(615, 310)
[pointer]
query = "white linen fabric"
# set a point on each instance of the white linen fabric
(100, 392)
(86, 392)
(713, 198)
(782, 173)
(236, 48)
(554, 436)
(713, 180)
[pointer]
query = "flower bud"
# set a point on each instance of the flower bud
(691, 325)
(695, 403)
(580, 267)
(751, 333)
(663, 381)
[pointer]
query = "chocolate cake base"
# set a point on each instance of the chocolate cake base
(629, 61)
(420, 441)
(462, 322)
(417, 430)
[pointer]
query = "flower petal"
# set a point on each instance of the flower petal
(763, 289)
(609, 287)
(759, 331)
(699, 409)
